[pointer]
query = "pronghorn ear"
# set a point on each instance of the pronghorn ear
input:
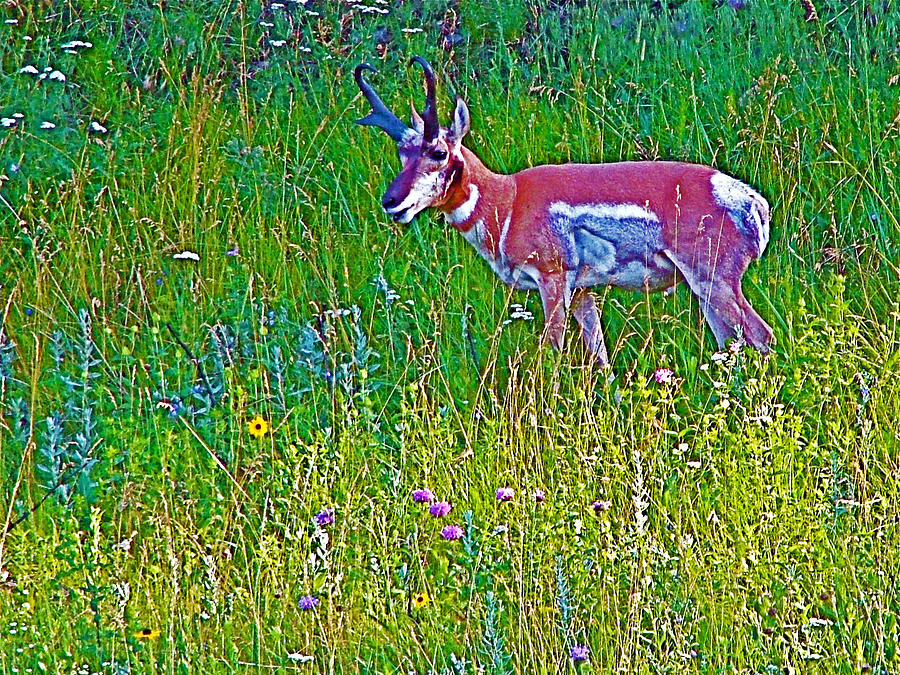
(460, 126)
(417, 122)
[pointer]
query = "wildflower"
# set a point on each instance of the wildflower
(579, 653)
(601, 505)
(421, 600)
(258, 427)
(278, 43)
(452, 532)
(324, 517)
(423, 496)
(440, 509)
(504, 494)
(232, 252)
(308, 602)
(28, 70)
(300, 657)
(146, 634)
(186, 255)
(98, 128)
(58, 76)
(76, 44)
(539, 495)
(663, 375)
(47, 125)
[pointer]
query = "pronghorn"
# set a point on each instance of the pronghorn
(561, 229)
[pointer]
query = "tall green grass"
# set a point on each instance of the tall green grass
(742, 518)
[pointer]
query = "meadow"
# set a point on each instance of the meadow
(249, 424)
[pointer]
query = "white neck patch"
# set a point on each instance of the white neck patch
(465, 210)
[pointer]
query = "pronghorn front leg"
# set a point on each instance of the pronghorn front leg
(555, 296)
(584, 309)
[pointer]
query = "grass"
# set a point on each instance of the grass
(742, 518)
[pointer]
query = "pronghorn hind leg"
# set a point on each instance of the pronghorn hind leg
(584, 309)
(723, 304)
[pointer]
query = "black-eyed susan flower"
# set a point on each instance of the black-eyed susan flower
(421, 600)
(146, 634)
(258, 427)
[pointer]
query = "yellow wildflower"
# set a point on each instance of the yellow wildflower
(258, 427)
(146, 634)
(420, 600)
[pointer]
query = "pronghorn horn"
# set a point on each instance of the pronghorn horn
(429, 114)
(380, 116)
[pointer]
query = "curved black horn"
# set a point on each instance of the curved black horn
(432, 125)
(380, 116)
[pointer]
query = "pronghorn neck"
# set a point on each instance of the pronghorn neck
(478, 196)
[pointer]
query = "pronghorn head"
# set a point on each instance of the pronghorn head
(430, 155)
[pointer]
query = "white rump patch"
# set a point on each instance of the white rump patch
(739, 198)
(465, 210)
(624, 211)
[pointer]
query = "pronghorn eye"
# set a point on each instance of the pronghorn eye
(438, 155)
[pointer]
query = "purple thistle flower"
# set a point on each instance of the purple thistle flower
(452, 532)
(504, 494)
(325, 517)
(440, 509)
(663, 375)
(539, 495)
(307, 602)
(579, 653)
(601, 505)
(423, 496)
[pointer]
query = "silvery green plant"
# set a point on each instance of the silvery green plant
(496, 657)
(59, 451)
(7, 356)
(52, 458)
(563, 600)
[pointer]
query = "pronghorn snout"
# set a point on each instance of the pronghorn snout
(396, 199)
(392, 202)
(389, 200)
